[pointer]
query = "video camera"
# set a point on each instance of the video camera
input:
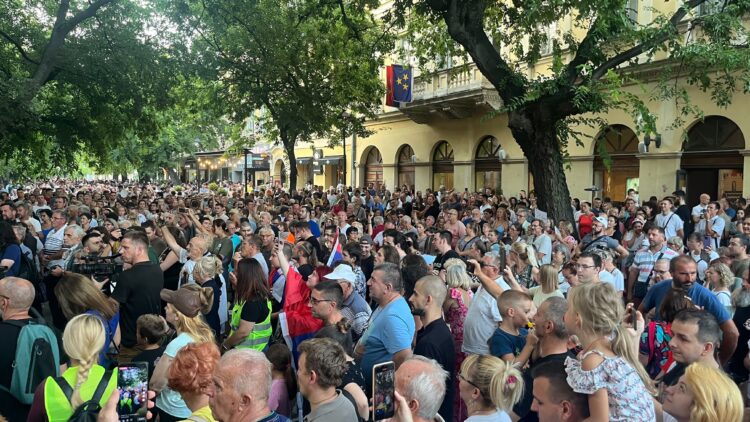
(99, 267)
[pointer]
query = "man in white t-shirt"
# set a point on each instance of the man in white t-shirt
(483, 315)
(711, 225)
(698, 210)
(542, 242)
(668, 220)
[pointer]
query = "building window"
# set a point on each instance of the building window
(442, 166)
(406, 170)
(487, 166)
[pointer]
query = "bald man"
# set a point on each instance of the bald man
(434, 340)
(16, 297)
(421, 382)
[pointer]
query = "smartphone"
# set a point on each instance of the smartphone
(383, 385)
(182, 210)
(132, 380)
(633, 317)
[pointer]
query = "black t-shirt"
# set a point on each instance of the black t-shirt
(671, 377)
(137, 291)
(11, 408)
(434, 211)
(435, 341)
(367, 265)
(440, 259)
(735, 367)
(151, 357)
(212, 317)
(523, 407)
(255, 310)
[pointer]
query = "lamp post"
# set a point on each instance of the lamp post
(244, 193)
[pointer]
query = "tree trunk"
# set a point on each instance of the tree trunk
(292, 168)
(538, 140)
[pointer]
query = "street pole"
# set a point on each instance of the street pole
(244, 193)
(354, 153)
(343, 133)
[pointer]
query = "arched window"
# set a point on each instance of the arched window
(442, 166)
(374, 168)
(623, 169)
(487, 166)
(406, 171)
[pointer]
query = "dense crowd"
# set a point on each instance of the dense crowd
(275, 304)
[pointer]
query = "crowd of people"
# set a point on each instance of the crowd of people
(276, 305)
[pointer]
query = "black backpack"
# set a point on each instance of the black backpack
(89, 410)
(28, 270)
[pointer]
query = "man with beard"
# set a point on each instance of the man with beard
(741, 300)
(597, 239)
(685, 273)
(326, 299)
(434, 340)
(737, 250)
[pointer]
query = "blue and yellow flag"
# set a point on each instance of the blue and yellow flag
(401, 84)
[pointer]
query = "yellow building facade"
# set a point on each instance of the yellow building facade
(446, 137)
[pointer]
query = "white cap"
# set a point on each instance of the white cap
(341, 273)
(603, 221)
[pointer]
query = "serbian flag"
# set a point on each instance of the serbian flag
(389, 87)
(296, 319)
(336, 253)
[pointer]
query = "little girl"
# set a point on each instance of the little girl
(278, 399)
(607, 369)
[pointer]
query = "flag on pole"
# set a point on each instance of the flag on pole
(337, 253)
(389, 87)
(402, 83)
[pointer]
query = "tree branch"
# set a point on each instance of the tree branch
(86, 13)
(659, 38)
(19, 48)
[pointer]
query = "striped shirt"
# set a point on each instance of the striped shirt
(53, 244)
(645, 260)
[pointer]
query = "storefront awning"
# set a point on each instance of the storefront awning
(304, 161)
(331, 160)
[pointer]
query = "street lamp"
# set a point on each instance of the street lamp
(245, 151)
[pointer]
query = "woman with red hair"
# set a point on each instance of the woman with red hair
(190, 375)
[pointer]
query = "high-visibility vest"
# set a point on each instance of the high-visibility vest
(261, 333)
(58, 407)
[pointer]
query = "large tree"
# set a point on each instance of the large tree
(81, 75)
(312, 66)
(586, 77)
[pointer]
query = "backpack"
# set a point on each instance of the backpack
(89, 410)
(28, 270)
(37, 357)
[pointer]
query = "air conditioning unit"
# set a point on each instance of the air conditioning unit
(502, 154)
(642, 147)
(414, 158)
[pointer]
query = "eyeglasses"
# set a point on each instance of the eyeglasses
(314, 301)
(460, 375)
(585, 266)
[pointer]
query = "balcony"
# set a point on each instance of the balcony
(445, 96)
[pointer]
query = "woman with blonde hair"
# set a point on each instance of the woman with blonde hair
(184, 308)
(83, 339)
(703, 394)
(490, 387)
(455, 307)
(78, 295)
(207, 272)
(547, 288)
(524, 264)
(720, 278)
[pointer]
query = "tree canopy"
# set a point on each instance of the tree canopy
(697, 42)
(311, 66)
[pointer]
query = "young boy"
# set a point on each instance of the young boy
(509, 338)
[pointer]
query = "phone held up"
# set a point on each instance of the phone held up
(132, 380)
(383, 387)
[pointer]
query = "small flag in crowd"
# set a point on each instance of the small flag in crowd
(336, 253)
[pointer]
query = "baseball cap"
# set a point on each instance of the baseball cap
(365, 240)
(342, 272)
(602, 220)
(190, 300)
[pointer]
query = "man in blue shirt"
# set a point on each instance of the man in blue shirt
(685, 273)
(391, 328)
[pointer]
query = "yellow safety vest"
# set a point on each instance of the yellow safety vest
(57, 405)
(261, 333)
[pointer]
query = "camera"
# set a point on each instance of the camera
(100, 267)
